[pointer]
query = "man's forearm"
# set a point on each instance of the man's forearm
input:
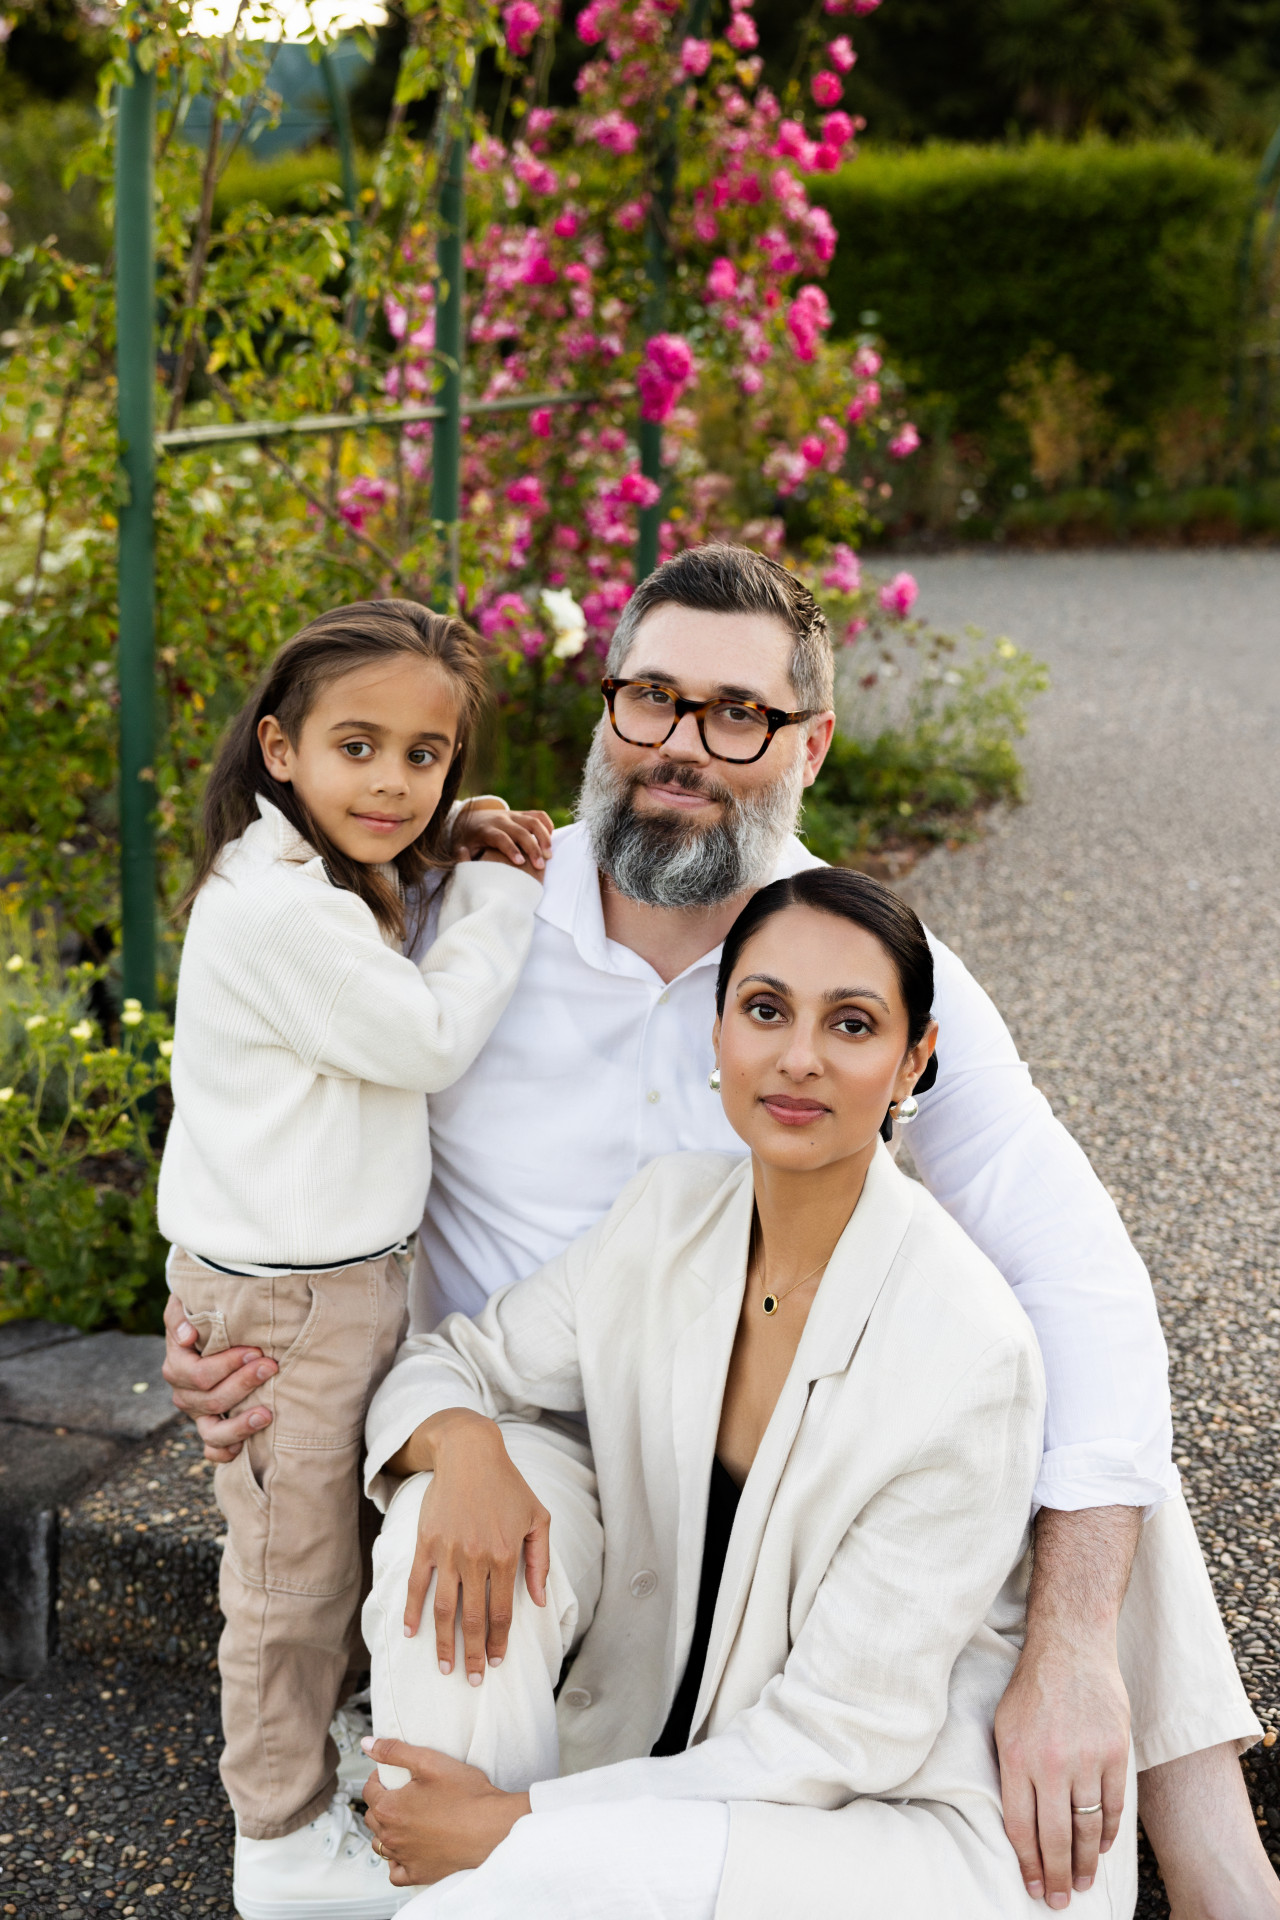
(1080, 1573)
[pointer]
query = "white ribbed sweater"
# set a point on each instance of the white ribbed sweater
(305, 1044)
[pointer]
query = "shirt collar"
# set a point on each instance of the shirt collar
(571, 902)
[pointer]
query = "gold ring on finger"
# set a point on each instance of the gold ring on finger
(1095, 1809)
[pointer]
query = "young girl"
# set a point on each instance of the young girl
(298, 1159)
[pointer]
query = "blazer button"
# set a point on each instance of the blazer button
(643, 1583)
(577, 1697)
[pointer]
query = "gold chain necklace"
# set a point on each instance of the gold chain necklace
(772, 1301)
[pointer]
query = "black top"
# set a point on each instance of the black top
(722, 1505)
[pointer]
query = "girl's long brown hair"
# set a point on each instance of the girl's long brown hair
(334, 644)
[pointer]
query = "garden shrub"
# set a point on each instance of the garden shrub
(78, 1163)
(1121, 256)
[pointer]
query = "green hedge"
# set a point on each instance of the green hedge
(1121, 256)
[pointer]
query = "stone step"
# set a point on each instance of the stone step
(74, 1408)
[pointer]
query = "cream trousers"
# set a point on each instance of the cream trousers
(653, 1857)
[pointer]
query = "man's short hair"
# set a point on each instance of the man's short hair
(720, 578)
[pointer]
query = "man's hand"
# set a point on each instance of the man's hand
(1062, 1728)
(477, 1516)
(448, 1817)
(208, 1389)
(487, 827)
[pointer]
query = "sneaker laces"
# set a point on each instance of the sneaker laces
(344, 1832)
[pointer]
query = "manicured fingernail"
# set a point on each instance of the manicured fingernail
(265, 1373)
(446, 1666)
(1059, 1900)
(495, 1660)
(1083, 1882)
(259, 1419)
(1035, 1889)
(366, 1745)
(474, 1679)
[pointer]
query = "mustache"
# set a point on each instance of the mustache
(671, 774)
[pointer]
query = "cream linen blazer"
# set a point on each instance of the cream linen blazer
(875, 1572)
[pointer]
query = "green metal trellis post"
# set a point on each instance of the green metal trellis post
(135, 367)
(446, 445)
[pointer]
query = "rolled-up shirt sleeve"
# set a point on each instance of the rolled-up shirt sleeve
(988, 1147)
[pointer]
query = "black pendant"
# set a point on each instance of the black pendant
(771, 1303)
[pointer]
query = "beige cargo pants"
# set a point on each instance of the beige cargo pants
(294, 1569)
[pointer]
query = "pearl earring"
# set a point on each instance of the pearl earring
(713, 1079)
(906, 1110)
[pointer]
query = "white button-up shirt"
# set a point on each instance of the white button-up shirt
(598, 1065)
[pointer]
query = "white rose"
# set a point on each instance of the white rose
(568, 622)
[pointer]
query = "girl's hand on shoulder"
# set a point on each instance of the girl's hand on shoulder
(497, 832)
(477, 1517)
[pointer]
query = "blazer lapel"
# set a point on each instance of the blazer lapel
(850, 1287)
(700, 1367)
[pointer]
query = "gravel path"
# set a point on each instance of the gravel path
(1127, 922)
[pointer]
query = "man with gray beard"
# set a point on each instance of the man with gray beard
(718, 714)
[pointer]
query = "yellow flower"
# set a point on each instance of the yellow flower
(133, 1006)
(82, 1030)
(166, 1049)
(15, 963)
(131, 1017)
(1006, 649)
(36, 1020)
(6, 1093)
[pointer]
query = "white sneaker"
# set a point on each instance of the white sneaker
(327, 1871)
(350, 1725)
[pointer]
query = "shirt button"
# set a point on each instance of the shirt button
(577, 1697)
(654, 1096)
(643, 1583)
(663, 999)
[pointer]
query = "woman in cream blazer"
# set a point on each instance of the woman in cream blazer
(838, 1757)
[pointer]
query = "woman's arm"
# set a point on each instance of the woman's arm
(476, 1519)
(864, 1691)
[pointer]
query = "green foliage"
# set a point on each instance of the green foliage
(972, 258)
(78, 1240)
(950, 752)
(290, 183)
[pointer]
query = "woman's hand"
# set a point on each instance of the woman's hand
(477, 1516)
(448, 1817)
(488, 828)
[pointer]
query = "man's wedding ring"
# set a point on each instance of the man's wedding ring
(377, 1847)
(1097, 1809)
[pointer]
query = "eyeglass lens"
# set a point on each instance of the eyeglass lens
(645, 715)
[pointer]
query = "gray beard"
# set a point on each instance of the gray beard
(663, 860)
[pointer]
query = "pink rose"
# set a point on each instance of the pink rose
(844, 575)
(695, 57)
(822, 232)
(631, 217)
(904, 442)
(521, 21)
(567, 537)
(540, 120)
(813, 450)
(741, 33)
(614, 132)
(899, 596)
(636, 490)
(527, 492)
(861, 7)
(505, 616)
(537, 272)
(837, 128)
(535, 174)
(826, 158)
(589, 29)
(540, 422)
(826, 87)
(722, 280)
(705, 226)
(565, 226)
(841, 54)
(866, 361)
(670, 355)
(750, 379)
